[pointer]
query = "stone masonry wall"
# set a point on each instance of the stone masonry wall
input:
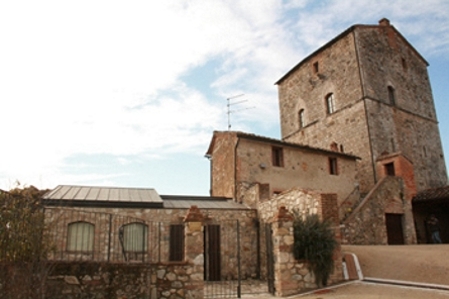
(301, 168)
(367, 226)
(292, 276)
(358, 67)
(76, 280)
(347, 126)
(158, 221)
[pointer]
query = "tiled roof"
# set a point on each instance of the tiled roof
(255, 137)
(432, 194)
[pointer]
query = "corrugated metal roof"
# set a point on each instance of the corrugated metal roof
(185, 202)
(104, 194)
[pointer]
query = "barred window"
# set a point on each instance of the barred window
(80, 237)
(134, 237)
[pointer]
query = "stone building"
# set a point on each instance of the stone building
(367, 91)
(254, 169)
(355, 113)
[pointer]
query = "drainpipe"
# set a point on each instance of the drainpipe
(235, 167)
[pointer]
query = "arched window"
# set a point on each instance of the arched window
(330, 103)
(134, 237)
(391, 95)
(301, 118)
(80, 237)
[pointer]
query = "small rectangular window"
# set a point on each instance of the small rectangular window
(316, 67)
(277, 156)
(389, 169)
(333, 166)
(391, 95)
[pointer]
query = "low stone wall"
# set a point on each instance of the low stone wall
(73, 280)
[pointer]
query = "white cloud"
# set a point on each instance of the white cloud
(103, 77)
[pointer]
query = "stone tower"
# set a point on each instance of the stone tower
(366, 93)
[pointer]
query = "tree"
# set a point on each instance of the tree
(23, 245)
(314, 242)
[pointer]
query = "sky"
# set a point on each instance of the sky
(128, 93)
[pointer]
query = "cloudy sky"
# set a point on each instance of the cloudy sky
(128, 93)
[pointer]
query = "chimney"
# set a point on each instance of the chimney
(384, 22)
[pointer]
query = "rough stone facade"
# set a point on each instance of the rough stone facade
(291, 275)
(255, 178)
(70, 280)
(383, 103)
(158, 221)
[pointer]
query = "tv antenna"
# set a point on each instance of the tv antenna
(229, 104)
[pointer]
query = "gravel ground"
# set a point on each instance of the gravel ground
(361, 290)
(417, 263)
(428, 264)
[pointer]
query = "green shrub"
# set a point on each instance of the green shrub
(315, 243)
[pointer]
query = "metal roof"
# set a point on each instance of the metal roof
(108, 194)
(202, 202)
(89, 196)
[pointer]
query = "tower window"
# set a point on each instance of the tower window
(330, 103)
(333, 166)
(316, 67)
(277, 156)
(391, 95)
(404, 63)
(301, 118)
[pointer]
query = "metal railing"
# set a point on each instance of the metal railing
(96, 236)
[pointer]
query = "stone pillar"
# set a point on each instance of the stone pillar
(193, 252)
(285, 281)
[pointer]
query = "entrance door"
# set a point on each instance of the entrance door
(270, 258)
(395, 232)
(212, 265)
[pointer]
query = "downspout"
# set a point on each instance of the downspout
(362, 84)
(209, 157)
(235, 168)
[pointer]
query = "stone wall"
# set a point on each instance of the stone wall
(73, 280)
(293, 276)
(302, 168)
(358, 67)
(367, 225)
(158, 222)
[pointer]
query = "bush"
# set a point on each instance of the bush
(314, 242)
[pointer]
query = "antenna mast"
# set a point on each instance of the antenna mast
(229, 107)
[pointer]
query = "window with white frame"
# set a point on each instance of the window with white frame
(80, 237)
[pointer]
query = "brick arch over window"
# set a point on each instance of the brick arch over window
(80, 236)
(330, 103)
